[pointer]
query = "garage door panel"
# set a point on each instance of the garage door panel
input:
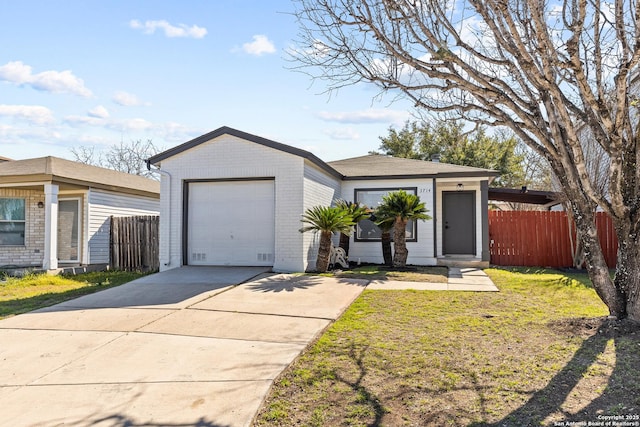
(231, 223)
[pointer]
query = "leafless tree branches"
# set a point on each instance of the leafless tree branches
(126, 157)
(555, 72)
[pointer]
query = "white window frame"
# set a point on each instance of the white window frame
(15, 221)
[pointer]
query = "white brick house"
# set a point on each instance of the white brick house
(55, 212)
(232, 198)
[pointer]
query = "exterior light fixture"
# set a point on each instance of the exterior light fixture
(41, 205)
(460, 187)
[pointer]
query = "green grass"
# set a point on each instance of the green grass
(530, 354)
(20, 295)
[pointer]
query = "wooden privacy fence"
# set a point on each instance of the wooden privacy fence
(134, 243)
(542, 238)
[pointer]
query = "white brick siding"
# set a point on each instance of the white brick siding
(229, 157)
(421, 252)
(299, 184)
(320, 189)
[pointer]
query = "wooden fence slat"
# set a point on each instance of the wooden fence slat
(542, 238)
(135, 243)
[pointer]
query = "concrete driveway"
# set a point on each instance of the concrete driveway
(181, 348)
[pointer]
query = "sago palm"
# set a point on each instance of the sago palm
(326, 220)
(403, 207)
(357, 212)
(385, 224)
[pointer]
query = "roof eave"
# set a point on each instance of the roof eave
(225, 130)
(38, 179)
(107, 187)
(488, 174)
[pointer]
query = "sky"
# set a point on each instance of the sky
(98, 73)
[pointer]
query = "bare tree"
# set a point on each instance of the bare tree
(86, 155)
(543, 69)
(126, 157)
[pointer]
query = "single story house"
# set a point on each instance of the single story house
(232, 198)
(55, 212)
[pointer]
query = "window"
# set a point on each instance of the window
(366, 230)
(12, 222)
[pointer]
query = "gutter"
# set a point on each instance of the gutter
(168, 176)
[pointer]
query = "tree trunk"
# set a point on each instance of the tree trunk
(597, 265)
(344, 242)
(627, 279)
(324, 252)
(386, 248)
(400, 251)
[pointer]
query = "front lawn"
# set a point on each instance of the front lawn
(536, 352)
(409, 274)
(20, 295)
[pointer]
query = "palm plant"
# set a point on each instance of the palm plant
(403, 207)
(358, 212)
(385, 224)
(326, 220)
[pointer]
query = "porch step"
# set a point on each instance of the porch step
(16, 271)
(78, 269)
(462, 262)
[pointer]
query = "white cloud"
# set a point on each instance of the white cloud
(85, 139)
(130, 125)
(342, 134)
(176, 132)
(99, 112)
(126, 99)
(29, 136)
(168, 131)
(259, 46)
(181, 30)
(36, 114)
(18, 73)
(84, 120)
(365, 116)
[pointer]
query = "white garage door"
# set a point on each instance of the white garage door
(231, 223)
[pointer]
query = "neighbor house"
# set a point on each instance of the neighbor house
(55, 212)
(232, 198)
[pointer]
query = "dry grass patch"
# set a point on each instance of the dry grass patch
(537, 352)
(408, 274)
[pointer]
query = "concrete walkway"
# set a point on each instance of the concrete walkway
(460, 279)
(195, 346)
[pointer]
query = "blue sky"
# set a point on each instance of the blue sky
(94, 73)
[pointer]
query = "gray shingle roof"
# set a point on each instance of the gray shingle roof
(69, 172)
(379, 166)
(365, 167)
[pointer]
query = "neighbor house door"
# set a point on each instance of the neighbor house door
(69, 230)
(459, 225)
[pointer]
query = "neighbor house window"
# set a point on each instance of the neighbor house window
(366, 230)
(12, 222)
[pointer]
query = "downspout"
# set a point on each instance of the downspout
(168, 212)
